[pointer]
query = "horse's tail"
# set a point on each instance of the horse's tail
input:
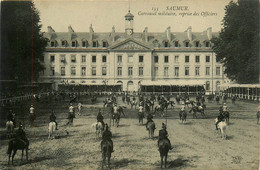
(9, 150)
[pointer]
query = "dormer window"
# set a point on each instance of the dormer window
(105, 44)
(53, 44)
(166, 44)
(176, 44)
(84, 43)
(197, 44)
(207, 44)
(187, 44)
(64, 43)
(95, 43)
(74, 44)
(155, 43)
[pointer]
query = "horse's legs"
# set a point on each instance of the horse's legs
(26, 153)
(108, 161)
(13, 156)
(22, 155)
(161, 161)
(9, 157)
(165, 161)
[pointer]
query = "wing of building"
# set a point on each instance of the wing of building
(132, 59)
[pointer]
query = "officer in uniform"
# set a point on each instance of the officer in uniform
(21, 136)
(163, 134)
(100, 118)
(149, 119)
(220, 118)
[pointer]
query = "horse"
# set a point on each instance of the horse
(52, 127)
(116, 117)
(9, 129)
(106, 147)
(71, 116)
(164, 148)
(196, 109)
(159, 110)
(133, 103)
(222, 127)
(151, 128)
(178, 99)
(140, 117)
(258, 116)
(99, 128)
(15, 145)
(183, 116)
(226, 116)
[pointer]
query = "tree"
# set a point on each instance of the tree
(23, 42)
(237, 46)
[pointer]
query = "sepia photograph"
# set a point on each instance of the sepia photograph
(129, 84)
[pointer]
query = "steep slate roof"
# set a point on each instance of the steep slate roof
(113, 38)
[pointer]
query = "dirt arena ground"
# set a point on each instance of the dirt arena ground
(195, 144)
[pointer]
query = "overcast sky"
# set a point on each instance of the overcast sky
(104, 14)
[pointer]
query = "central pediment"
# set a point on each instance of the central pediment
(130, 44)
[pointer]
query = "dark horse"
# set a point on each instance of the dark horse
(15, 145)
(140, 117)
(116, 118)
(71, 116)
(258, 116)
(164, 148)
(151, 127)
(183, 116)
(106, 152)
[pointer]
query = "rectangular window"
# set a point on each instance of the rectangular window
(83, 59)
(187, 59)
(197, 44)
(104, 59)
(119, 71)
(197, 59)
(52, 71)
(52, 58)
(187, 44)
(130, 71)
(105, 44)
(207, 59)
(166, 71)
(141, 71)
(104, 71)
(166, 59)
(52, 44)
(62, 71)
(176, 71)
(176, 59)
(84, 44)
(63, 43)
(187, 71)
(207, 71)
(95, 43)
(83, 71)
(156, 59)
(218, 71)
(94, 59)
(119, 59)
(166, 44)
(176, 44)
(94, 71)
(73, 71)
(197, 71)
(73, 44)
(62, 58)
(73, 59)
(141, 59)
(155, 71)
(130, 59)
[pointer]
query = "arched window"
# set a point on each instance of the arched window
(84, 43)
(217, 86)
(95, 43)
(176, 43)
(74, 44)
(53, 43)
(64, 43)
(166, 44)
(105, 43)
(207, 85)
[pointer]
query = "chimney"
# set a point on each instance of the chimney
(189, 33)
(91, 32)
(209, 33)
(70, 29)
(146, 34)
(168, 33)
(113, 33)
(50, 30)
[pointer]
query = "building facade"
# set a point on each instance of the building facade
(132, 58)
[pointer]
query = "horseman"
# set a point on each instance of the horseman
(53, 119)
(106, 136)
(71, 111)
(21, 136)
(10, 117)
(100, 118)
(220, 119)
(32, 114)
(224, 108)
(141, 108)
(149, 119)
(183, 107)
(163, 134)
(115, 108)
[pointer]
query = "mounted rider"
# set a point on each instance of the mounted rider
(20, 135)
(183, 108)
(220, 119)
(224, 108)
(53, 119)
(100, 118)
(149, 119)
(163, 134)
(106, 136)
(71, 111)
(11, 117)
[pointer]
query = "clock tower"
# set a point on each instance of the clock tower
(129, 21)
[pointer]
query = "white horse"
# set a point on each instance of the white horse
(52, 127)
(222, 127)
(9, 129)
(99, 128)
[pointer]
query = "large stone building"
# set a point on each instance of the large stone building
(132, 58)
